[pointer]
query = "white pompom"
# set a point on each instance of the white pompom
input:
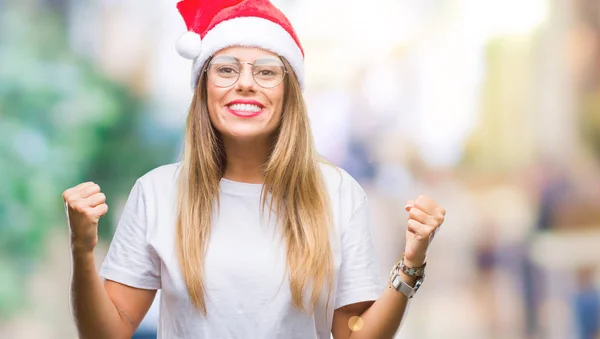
(189, 45)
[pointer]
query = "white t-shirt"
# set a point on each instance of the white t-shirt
(247, 291)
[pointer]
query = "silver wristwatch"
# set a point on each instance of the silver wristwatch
(398, 283)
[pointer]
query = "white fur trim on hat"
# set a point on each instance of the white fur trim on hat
(189, 45)
(250, 32)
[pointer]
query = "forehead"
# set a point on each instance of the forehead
(249, 54)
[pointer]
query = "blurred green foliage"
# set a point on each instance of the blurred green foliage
(61, 122)
(590, 121)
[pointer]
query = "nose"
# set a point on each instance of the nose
(246, 80)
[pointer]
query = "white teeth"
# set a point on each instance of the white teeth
(245, 108)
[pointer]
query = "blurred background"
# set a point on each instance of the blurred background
(492, 107)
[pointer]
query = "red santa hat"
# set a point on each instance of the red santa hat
(216, 24)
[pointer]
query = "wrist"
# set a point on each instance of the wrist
(408, 279)
(414, 261)
(83, 244)
(80, 250)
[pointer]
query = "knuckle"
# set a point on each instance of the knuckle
(102, 210)
(89, 212)
(81, 208)
(431, 221)
(91, 188)
(76, 206)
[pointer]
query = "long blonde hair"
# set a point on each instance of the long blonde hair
(291, 176)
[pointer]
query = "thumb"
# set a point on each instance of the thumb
(409, 204)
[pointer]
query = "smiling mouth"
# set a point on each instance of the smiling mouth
(245, 110)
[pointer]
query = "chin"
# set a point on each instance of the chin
(247, 132)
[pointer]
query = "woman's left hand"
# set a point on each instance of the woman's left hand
(425, 216)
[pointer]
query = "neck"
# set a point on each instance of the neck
(245, 159)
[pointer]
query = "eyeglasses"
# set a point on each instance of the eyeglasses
(225, 70)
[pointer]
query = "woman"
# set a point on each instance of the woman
(251, 235)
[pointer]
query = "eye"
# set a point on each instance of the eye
(266, 72)
(227, 70)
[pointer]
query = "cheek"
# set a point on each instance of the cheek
(213, 99)
(277, 100)
(212, 96)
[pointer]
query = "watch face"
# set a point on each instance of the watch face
(396, 281)
(418, 284)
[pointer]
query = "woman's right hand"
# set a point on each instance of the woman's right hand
(84, 205)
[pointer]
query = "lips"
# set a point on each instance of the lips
(245, 108)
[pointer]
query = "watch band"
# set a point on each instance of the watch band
(412, 271)
(401, 286)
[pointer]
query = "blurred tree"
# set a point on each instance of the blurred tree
(61, 122)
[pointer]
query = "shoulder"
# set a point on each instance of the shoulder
(341, 186)
(163, 174)
(162, 179)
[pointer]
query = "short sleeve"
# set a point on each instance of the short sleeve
(359, 277)
(130, 260)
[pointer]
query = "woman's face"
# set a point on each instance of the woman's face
(245, 109)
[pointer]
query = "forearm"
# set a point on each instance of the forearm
(95, 315)
(384, 317)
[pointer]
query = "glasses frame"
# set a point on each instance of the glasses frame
(285, 72)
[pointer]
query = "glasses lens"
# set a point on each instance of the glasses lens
(223, 71)
(268, 72)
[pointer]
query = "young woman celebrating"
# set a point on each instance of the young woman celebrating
(251, 234)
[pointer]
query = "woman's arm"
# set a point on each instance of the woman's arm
(382, 318)
(379, 319)
(111, 311)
